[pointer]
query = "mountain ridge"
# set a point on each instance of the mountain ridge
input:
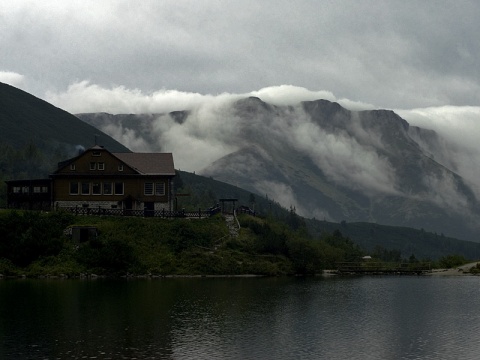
(330, 162)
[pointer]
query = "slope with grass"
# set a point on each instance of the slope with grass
(36, 244)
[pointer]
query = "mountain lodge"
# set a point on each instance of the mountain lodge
(100, 179)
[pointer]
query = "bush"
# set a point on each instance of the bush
(451, 261)
(109, 256)
(305, 256)
(30, 235)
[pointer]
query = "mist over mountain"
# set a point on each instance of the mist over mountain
(326, 161)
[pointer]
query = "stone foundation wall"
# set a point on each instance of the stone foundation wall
(162, 206)
(91, 204)
(108, 205)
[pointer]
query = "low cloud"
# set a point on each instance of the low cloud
(121, 100)
(459, 129)
(128, 137)
(443, 192)
(208, 133)
(213, 129)
(12, 78)
(343, 159)
(281, 193)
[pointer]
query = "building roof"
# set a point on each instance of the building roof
(149, 163)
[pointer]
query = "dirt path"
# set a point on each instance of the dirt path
(457, 271)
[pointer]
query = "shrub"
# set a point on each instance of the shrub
(451, 261)
(30, 235)
(111, 256)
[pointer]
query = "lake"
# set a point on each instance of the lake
(377, 317)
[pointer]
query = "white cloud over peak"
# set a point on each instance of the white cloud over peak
(12, 78)
(213, 130)
(85, 97)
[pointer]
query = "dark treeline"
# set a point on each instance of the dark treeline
(35, 160)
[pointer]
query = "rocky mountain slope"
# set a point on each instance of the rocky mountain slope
(326, 161)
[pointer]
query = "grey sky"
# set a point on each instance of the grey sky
(391, 54)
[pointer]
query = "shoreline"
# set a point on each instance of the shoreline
(463, 270)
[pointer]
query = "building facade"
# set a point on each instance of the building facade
(35, 194)
(98, 178)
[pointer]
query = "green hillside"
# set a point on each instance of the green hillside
(35, 244)
(369, 236)
(36, 135)
(419, 242)
(25, 118)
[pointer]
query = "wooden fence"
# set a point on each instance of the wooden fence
(79, 210)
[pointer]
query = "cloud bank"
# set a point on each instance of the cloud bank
(459, 129)
(212, 130)
(120, 100)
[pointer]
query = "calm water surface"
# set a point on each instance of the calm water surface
(247, 318)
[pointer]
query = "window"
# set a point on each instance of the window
(93, 166)
(74, 188)
(45, 189)
(101, 166)
(72, 166)
(107, 189)
(17, 189)
(85, 188)
(148, 188)
(96, 188)
(159, 189)
(119, 188)
(120, 167)
(96, 153)
(25, 190)
(36, 189)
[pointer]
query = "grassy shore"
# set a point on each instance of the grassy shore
(35, 244)
(39, 245)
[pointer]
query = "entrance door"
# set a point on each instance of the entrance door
(127, 206)
(149, 208)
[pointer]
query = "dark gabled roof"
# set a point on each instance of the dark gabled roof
(143, 163)
(149, 163)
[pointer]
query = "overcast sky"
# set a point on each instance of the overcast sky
(390, 54)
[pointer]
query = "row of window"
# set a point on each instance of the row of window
(96, 188)
(26, 189)
(112, 188)
(97, 166)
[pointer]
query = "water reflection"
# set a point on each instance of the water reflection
(247, 318)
